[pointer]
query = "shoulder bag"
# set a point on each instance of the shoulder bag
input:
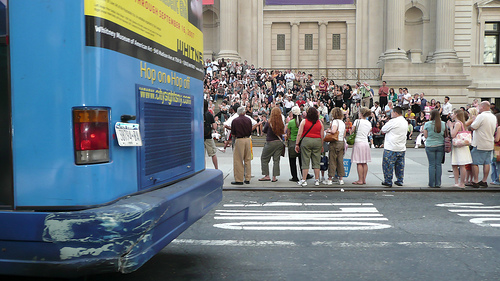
(282, 142)
(447, 140)
(350, 139)
(284, 147)
(332, 137)
(463, 138)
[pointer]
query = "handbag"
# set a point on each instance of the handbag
(284, 147)
(332, 137)
(496, 155)
(463, 138)
(350, 139)
(447, 141)
(323, 163)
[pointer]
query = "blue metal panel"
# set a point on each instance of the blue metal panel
(119, 237)
(167, 151)
(74, 75)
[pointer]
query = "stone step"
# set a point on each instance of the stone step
(261, 140)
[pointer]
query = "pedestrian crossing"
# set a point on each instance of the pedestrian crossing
(304, 216)
(487, 216)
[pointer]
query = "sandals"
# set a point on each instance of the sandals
(265, 179)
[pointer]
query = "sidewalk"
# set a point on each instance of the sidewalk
(416, 175)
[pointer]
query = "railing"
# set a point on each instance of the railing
(349, 74)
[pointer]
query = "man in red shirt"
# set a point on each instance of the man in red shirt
(301, 101)
(382, 93)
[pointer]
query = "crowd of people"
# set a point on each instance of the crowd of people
(292, 110)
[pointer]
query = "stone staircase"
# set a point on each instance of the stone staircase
(259, 141)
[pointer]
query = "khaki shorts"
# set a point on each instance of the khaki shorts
(210, 147)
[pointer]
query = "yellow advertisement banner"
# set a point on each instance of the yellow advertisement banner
(162, 21)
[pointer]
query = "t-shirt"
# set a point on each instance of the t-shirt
(315, 132)
(483, 136)
(383, 91)
(395, 134)
(340, 127)
(208, 121)
(433, 138)
(363, 128)
(270, 135)
(293, 129)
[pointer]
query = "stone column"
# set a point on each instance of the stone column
(294, 46)
(351, 44)
(395, 30)
(445, 30)
(322, 44)
(255, 24)
(268, 46)
(229, 30)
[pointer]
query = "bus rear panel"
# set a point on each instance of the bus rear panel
(102, 136)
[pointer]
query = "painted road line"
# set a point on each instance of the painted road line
(292, 204)
(302, 225)
(433, 245)
(382, 244)
(482, 215)
(294, 218)
(238, 243)
(264, 216)
(342, 210)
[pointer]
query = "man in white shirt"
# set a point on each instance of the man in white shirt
(406, 99)
(376, 109)
(289, 77)
(394, 147)
(483, 136)
(288, 104)
(447, 109)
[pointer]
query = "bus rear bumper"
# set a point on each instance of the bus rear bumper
(119, 237)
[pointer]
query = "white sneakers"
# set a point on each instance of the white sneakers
(302, 183)
(317, 182)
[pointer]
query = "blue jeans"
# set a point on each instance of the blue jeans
(435, 156)
(393, 163)
(494, 172)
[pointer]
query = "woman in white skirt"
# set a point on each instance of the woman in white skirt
(361, 154)
(460, 156)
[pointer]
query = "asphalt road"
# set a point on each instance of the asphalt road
(336, 236)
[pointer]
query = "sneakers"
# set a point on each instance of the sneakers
(325, 181)
(372, 146)
(302, 183)
(329, 182)
(341, 182)
(417, 146)
(483, 184)
(316, 182)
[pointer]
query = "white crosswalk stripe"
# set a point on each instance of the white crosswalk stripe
(333, 244)
(488, 216)
(325, 216)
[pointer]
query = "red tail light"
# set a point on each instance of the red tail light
(91, 135)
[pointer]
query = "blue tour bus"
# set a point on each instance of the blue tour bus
(101, 133)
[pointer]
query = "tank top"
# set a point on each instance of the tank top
(315, 132)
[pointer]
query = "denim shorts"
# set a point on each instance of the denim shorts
(481, 157)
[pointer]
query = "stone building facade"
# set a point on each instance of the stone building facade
(440, 47)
